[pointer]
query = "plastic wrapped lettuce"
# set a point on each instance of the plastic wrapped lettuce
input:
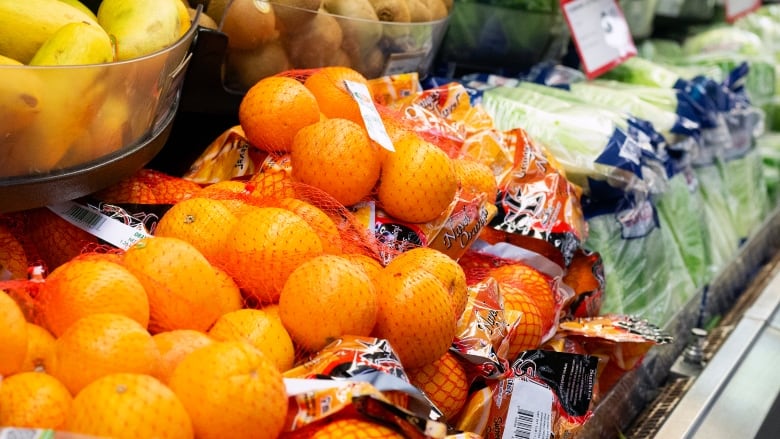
(744, 180)
(624, 100)
(641, 71)
(720, 230)
(765, 26)
(588, 142)
(768, 148)
(726, 47)
(681, 210)
(644, 270)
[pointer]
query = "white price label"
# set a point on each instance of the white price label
(102, 226)
(600, 33)
(26, 433)
(739, 8)
(374, 125)
(530, 411)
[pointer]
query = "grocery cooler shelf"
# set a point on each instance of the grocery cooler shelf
(651, 385)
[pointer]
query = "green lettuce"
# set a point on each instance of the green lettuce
(681, 211)
(645, 276)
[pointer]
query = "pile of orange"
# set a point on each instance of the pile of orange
(318, 121)
(187, 333)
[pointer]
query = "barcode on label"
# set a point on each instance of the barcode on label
(523, 425)
(85, 216)
(19, 433)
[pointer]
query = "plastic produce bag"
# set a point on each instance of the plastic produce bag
(680, 210)
(588, 143)
(768, 148)
(644, 270)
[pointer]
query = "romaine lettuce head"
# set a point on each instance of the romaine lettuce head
(724, 39)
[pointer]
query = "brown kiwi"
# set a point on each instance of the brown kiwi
(362, 30)
(293, 15)
(248, 24)
(315, 44)
(339, 58)
(392, 10)
(243, 68)
(370, 64)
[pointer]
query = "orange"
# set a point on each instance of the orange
(148, 186)
(476, 178)
(475, 414)
(232, 193)
(336, 156)
(168, 189)
(526, 327)
(534, 284)
(372, 267)
(40, 350)
(129, 406)
(266, 245)
(174, 346)
(13, 336)
(230, 389)
(102, 344)
(345, 427)
(262, 328)
(446, 269)
(185, 291)
(13, 259)
(272, 184)
(56, 240)
(445, 382)
(85, 286)
(203, 222)
(33, 400)
(334, 100)
(325, 298)
(418, 181)
(415, 315)
(326, 229)
(274, 109)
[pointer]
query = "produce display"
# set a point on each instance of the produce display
(369, 252)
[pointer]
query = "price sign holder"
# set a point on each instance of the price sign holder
(600, 33)
(736, 9)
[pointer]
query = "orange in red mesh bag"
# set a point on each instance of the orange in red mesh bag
(530, 285)
(371, 369)
(13, 257)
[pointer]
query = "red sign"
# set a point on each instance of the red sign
(736, 9)
(600, 34)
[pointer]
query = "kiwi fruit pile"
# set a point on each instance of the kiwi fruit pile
(267, 37)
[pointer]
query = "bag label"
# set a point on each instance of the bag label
(530, 411)
(374, 125)
(98, 224)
